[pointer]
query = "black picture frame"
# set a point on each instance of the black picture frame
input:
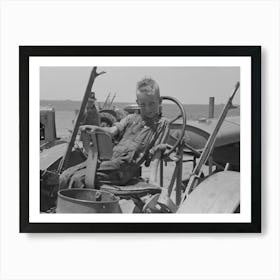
(254, 52)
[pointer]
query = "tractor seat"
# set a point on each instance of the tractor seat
(100, 141)
(135, 188)
(99, 146)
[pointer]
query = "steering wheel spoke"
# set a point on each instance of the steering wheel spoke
(176, 141)
(175, 119)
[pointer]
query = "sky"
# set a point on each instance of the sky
(191, 85)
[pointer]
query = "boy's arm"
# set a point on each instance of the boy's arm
(119, 127)
(112, 130)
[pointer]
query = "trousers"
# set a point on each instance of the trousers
(108, 172)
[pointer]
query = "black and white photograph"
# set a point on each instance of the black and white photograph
(146, 134)
(138, 150)
(140, 140)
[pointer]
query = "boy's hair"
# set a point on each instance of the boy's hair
(148, 86)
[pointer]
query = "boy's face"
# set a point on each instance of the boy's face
(149, 104)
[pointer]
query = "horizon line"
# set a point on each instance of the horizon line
(71, 100)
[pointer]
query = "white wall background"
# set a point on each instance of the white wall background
(139, 256)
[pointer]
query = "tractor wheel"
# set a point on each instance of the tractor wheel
(106, 119)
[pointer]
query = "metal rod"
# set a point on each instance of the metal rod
(210, 165)
(211, 107)
(112, 100)
(106, 100)
(175, 119)
(64, 162)
(179, 176)
(209, 145)
(170, 187)
(161, 173)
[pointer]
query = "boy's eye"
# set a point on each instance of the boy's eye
(148, 104)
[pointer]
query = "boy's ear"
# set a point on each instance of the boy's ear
(160, 108)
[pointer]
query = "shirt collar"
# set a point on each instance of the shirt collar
(151, 122)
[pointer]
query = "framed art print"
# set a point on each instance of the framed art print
(140, 138)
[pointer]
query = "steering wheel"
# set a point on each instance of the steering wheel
(171, 148)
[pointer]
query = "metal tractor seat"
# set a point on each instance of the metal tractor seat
(133, 189)
(99, 146)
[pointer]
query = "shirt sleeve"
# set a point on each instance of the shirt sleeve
(122, 125)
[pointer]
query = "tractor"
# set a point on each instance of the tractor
(214, 191)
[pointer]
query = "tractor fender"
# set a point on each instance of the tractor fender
(50, 158)
(218, 193)
(51, 155)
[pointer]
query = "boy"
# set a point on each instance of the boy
(138, 133)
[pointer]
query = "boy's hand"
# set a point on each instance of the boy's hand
(88, 127)
(160, 147)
